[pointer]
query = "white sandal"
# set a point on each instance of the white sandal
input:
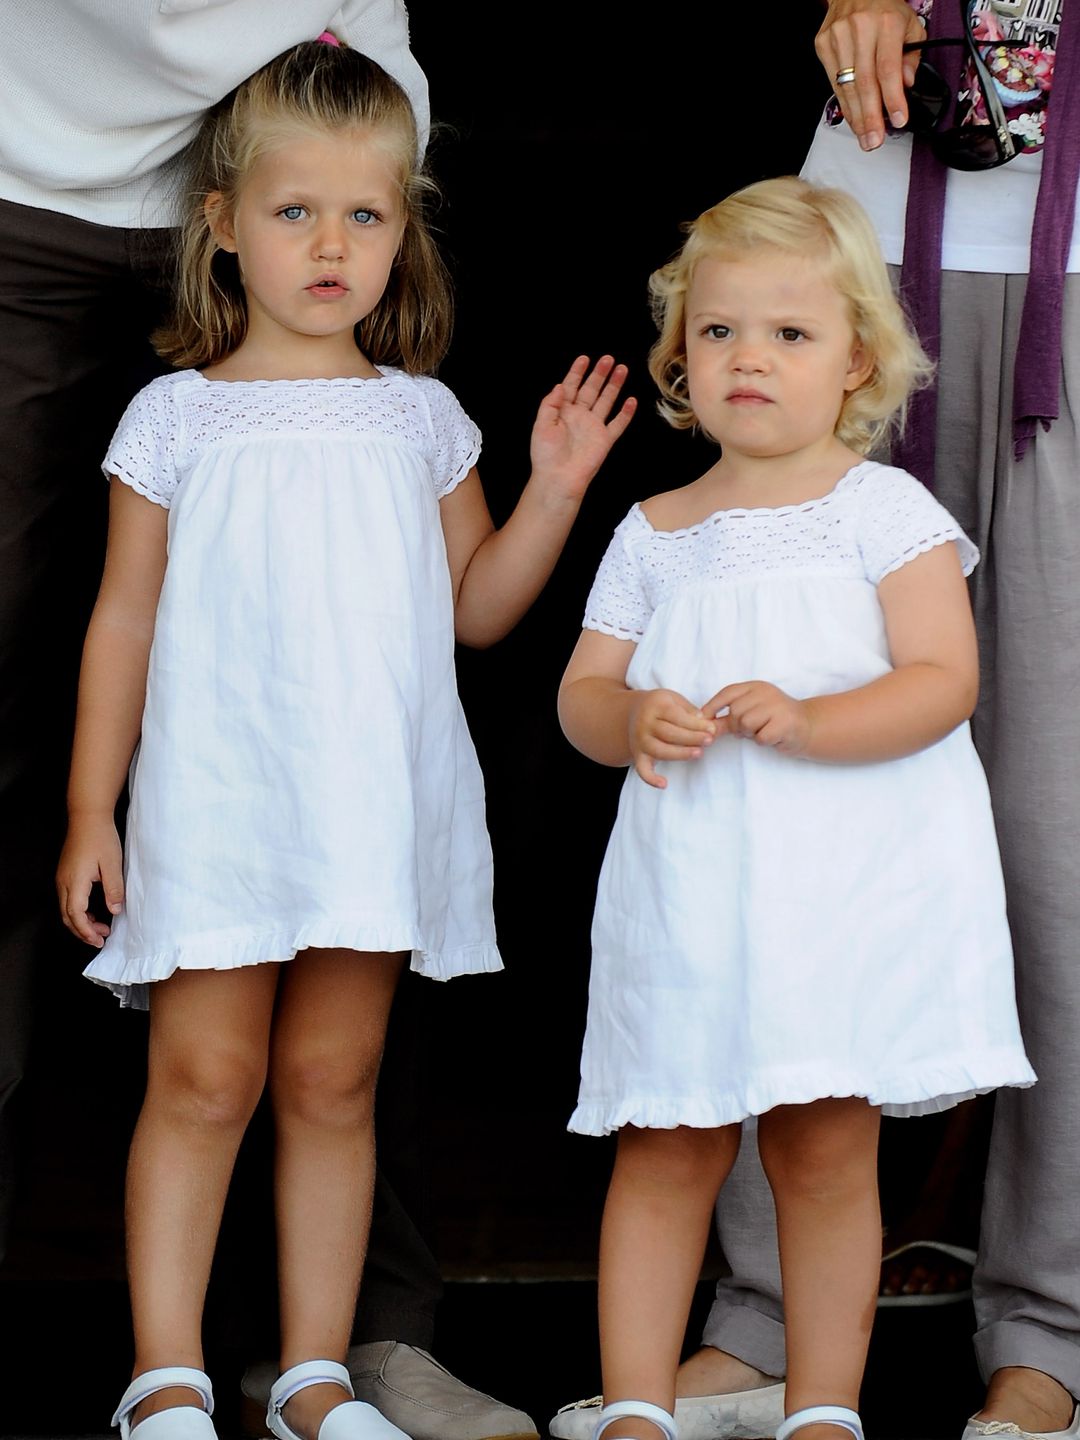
(352, 1420)
(821, 1415)
(179, 1422)
(639, 1409)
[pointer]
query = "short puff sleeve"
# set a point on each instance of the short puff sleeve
(618, 604)
(899, 520)
(142, 452)
(455, 439)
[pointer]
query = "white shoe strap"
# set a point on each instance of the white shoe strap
(310, 1372)
(151, 1381)
(821, 1415)
(641, 1410)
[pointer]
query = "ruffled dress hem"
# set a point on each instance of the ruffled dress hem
(902, 1094)
(129, 978)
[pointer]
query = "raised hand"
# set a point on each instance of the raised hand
(575, 428)
(758, 711)
(663, 725)
(868, 36)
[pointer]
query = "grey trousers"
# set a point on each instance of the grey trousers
(1025, 518)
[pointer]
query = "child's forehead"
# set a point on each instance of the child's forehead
(283, 143)
(762, 274)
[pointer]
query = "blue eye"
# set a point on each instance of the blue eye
(291, 212)
(365, 217)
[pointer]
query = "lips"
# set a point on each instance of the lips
(747, 397)
(329, 285)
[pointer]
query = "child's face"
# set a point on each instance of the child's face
(316, 229)
(771, 354)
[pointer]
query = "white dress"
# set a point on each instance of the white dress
(305, 775)
(771, 930)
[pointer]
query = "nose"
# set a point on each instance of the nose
(330, 240)
(748, 356)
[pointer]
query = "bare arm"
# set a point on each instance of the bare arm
(615, 725)
(497, 574)
(868, 36)
(931, 689)
(112, 689)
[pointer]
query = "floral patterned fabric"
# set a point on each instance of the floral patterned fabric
(1020, 37)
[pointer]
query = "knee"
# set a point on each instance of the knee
(216, 1088)
(819, 1162)
(685, 1158)
(330, 1091)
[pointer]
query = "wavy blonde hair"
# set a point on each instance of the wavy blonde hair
(797, 218)
(326, 90)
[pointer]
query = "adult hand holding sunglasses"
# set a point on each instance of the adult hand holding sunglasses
(861, 45)
(926, 96)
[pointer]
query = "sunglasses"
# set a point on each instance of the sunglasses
(962, 147)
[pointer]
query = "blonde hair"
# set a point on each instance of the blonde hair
(326, 89)
(800, 219)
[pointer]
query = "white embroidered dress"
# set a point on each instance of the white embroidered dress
(771, 930)
(305, 775)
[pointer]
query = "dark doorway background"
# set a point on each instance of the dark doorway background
(581, 139)
(574, 142)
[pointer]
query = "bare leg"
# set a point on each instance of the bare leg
(656, 1222)
(1030, 1399)
(821, 1160)
(714, 1372)
(327, 1043)
(208, 1045)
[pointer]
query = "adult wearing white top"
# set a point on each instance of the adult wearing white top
(1024, 515)
(96, 103)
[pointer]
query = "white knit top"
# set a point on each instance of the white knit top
(97, 96)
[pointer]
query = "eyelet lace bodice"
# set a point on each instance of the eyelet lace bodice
(875, 520)
(177, 418)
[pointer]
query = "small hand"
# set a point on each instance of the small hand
(91, 852)
(868, 36)
(663, 725)
(763, 713)
(572, 434)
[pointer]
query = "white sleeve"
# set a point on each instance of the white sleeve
(142, 452)
(899, 520)
(455, 438)
(617, 603)
(380, 30)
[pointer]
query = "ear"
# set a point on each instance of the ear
(219, 220)
(860, 368)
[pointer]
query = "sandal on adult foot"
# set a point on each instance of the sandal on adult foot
(821, 1415)
(941, 1263)
(975, 1429)
(351, 1420)
(179, 1422)
(730, 1415)
(639, 1410)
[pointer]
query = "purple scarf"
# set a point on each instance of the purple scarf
(1037, 382)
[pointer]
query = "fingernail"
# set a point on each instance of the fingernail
(114, 908)
(898, 118)
(872, 139)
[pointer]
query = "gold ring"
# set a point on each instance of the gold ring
(846, 76)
